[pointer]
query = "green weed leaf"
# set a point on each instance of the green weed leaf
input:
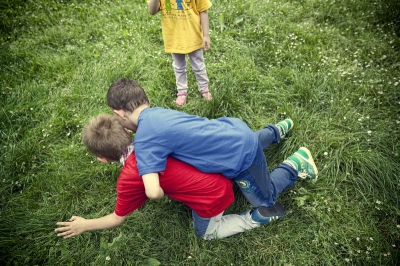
(301, 200)
(151, 262)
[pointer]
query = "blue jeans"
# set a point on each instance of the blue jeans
(258, 185)
(260, 188)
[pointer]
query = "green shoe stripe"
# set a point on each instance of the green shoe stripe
(296, 161)
(292, 162)
(306, 165)
(303, 153)
(289, 123)
(285, 124)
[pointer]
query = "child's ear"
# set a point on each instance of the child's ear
(102, 159)
(121, 113)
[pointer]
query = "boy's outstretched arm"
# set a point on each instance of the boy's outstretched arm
(153, 6)
(205, 25)
(152, 186)
(77, 225)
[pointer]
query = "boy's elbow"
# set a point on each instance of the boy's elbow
(154, 195)
(120, 220)
(116, 220)
(153, 9)
(153, 12)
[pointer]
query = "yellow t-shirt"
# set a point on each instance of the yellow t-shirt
(181, 27)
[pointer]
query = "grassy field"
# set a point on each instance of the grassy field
(330, 65)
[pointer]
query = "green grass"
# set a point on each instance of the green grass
(332, 66)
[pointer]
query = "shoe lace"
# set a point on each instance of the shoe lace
(303, 174)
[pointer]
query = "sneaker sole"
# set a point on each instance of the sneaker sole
(263, 215)
(275, 210)
(310, 160)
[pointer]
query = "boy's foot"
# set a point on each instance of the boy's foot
(265, 215)
(181, 99)
(284, 127)
(303, 162)
(206, 94)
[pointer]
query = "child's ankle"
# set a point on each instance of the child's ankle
(281, 132)
(292, 163)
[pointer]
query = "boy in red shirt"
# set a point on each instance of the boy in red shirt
(207, 195)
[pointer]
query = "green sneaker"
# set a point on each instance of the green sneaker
(304, 163)
(284, 127)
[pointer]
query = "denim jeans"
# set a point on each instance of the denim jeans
(260, 188)
(258, 185)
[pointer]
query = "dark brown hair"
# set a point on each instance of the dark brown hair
(126, 94)
(105, 137)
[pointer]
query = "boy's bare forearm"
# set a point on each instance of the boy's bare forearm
(152, 186)
(204, 22)
(78, 225)
(153, 6)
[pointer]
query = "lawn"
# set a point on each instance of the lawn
(333, 66)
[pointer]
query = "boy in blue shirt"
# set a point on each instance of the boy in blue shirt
(224, 145)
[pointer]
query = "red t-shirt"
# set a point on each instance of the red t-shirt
(207, 194)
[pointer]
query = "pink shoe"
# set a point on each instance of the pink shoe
(181, 99)
(206, 94)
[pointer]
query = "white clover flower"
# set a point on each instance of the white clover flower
(108, 258)
(378, 202)
(369, 132)
(326, 153)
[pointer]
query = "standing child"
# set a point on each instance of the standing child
(185, 31)
(224, 145)
(207, 195)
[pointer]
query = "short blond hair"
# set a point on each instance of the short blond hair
(105, 137)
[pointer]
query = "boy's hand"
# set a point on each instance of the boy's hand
(206, 42)
(74, 227)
